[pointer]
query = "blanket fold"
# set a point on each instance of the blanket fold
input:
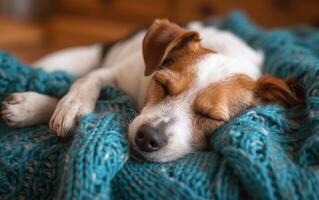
(267, 152)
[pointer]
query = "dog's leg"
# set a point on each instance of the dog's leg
(79, 101)
(76, 60)
(27, 108)
(30, 108)
(82, 96)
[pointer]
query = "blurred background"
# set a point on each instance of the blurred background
(32, 28)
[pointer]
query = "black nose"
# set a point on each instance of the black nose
(150, 139)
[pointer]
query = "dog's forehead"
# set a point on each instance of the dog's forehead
(205, 71)
(199, 75)
(209, 69)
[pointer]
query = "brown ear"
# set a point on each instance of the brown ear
(161, 38)
(288, 93)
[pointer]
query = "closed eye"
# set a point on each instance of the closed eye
(207, 115)
(167, 62)
(164, 87)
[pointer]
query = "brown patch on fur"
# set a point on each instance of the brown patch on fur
(176, 77)
(177, 70)
(161, 39)
(220, 101)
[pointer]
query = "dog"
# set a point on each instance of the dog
(187, 82)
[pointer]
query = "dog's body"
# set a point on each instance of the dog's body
(184, 88)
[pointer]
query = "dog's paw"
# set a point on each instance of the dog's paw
(27, 109)
(67, 112)
(14, 110)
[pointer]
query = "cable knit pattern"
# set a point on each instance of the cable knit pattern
(267, 152)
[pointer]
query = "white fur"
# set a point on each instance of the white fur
(124, 66)
(75, 60)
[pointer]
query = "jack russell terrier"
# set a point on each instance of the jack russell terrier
(187, 83)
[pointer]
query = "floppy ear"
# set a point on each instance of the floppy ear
(288, 93)
(161, 38)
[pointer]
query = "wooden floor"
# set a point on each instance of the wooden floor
(29, 41)
(80, 22)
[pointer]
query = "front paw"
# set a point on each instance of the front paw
(66, 114)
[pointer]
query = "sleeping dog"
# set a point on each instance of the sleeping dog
(187, 82)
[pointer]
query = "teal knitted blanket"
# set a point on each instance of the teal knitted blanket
(267, 152)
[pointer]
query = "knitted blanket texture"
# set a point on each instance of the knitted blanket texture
(267, 152)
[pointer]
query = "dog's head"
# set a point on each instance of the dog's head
(186, 100)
